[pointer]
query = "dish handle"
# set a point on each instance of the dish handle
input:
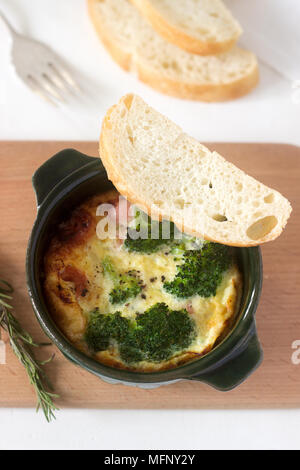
(232, 373)
(56, 169)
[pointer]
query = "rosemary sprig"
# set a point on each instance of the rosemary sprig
(22, 343)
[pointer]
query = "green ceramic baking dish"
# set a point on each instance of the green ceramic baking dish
(65, 180)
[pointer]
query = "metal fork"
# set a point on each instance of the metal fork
(41, 69)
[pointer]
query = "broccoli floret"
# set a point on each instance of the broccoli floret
(155, 335)
(102, 329)
(119, 327)
(201, 271)
(144, 246)
(126, 286)
(109, 269)
(148, 236)
(98, 331)
(129, 351)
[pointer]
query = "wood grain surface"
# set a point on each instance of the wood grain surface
(275, 384)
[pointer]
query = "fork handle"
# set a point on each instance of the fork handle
(8, 25)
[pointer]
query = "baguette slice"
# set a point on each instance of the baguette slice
(203, 27)
(137, 47)
(172, 176)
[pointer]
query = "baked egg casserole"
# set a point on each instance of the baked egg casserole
(134, 303)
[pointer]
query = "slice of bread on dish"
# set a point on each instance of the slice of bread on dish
(137, 47)
(170, 175)
(203, 27)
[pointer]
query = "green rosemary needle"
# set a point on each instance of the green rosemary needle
(22, 344)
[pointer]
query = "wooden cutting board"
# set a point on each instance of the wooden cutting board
(275, 384)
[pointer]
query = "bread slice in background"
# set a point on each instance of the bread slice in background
(170, 175)
(134, 44)
(203, 27)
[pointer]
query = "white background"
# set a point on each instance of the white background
(269, 114)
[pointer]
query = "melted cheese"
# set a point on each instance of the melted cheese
(211, 315)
